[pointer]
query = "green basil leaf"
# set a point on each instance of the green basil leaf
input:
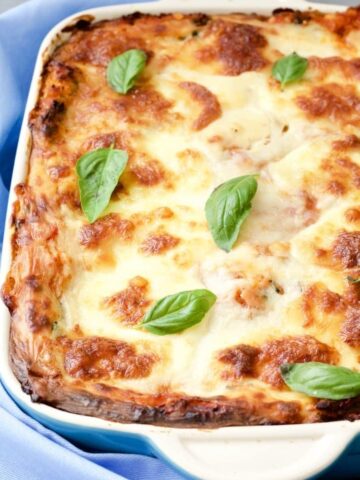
(178, 312)
(321, 380)
(289, 69)
(124, 69)
(353, 280)
(98, 173)
(227, 208)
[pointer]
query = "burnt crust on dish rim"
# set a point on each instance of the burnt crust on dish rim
(173, 411)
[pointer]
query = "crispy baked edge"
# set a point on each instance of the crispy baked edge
(172, 410)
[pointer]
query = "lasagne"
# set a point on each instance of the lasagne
(205, 109)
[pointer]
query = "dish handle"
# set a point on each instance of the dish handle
(253, 455)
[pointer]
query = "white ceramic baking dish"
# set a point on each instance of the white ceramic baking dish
(293, 452)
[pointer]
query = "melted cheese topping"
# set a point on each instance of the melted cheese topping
(262, 129)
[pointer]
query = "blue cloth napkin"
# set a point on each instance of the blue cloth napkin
(28, 450)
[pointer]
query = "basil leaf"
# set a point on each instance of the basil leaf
(353, 280)
(98, 173)
(227, 208)
(124, 69)
(178, 312)
(321, 380)
(289, 69)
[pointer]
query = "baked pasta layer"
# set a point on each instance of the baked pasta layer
(205, 109)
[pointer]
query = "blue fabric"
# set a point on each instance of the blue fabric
(28, 450)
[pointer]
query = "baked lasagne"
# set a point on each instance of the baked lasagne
(205, 109)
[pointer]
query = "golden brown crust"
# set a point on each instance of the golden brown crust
(130, 304)
(93, 358)
(57, 93)
(170, 410)
(73, 371)
(105, 140)
(352, 215)
(346, 249)
(340, 23)
(238, 47)
(317, 298)
(39, 270)
(326, 66)
(142, 105)
(292, 350)
(349, 142)
(337, 102)
(147, 172)
(242, 359)
(350, 330)
(92, 235)
(159, 243)
(211, 109)
(264, 362)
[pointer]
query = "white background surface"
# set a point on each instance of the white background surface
(6, 4)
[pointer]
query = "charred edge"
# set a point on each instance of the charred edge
(24, 380)
(49, 119)
(298, 17)
(179, 413)
(61, 70)
(82, 23)
(132, 18)
(201, 19)
(185, 413)
(46, 118)
(33, 283)
(331, 410)
(19, 366)
(170, 411)
(8, 300)
(279, 11)
(35, 320)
